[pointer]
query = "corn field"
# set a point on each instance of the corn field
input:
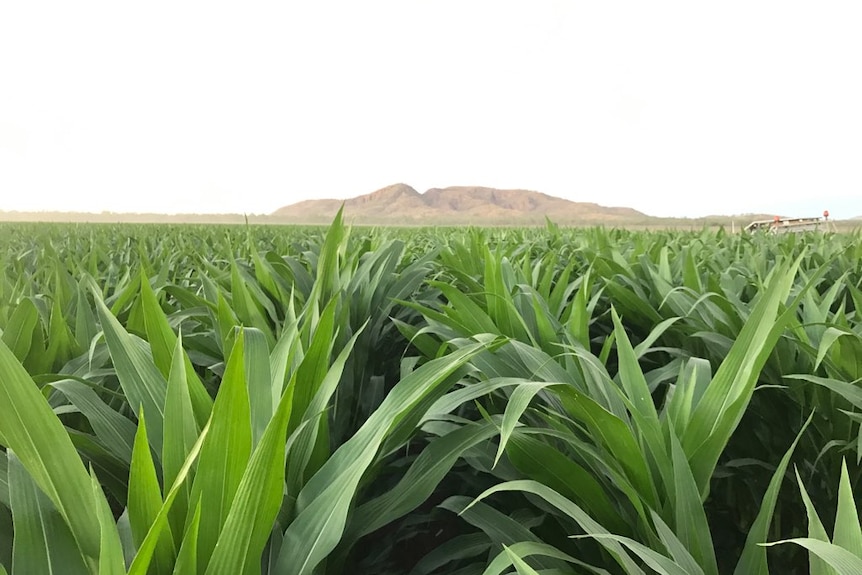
(302, 401)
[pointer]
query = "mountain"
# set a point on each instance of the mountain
(401, 204)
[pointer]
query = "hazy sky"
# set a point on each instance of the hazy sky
(673, 108)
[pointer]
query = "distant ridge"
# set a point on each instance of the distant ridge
(402, 204)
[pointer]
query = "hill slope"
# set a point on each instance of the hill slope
(401, 204)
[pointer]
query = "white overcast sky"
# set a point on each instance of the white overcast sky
(673, 108)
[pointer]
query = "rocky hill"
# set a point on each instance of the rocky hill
(401, 204)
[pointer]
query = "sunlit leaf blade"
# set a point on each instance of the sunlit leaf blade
(259, 381)
(114, 430)
(224, 455)
(188, 554)
(848, 532)
(145, 500)
(256, 503)
(18, 331)
(43, 542)
(111, 560)
(30, 429)
(325, 500)
(141, 563)
(180, 434)
(721, 407)
(141, 380)
(815, 531)
(520, 565)
(841, 560)
(163, 342)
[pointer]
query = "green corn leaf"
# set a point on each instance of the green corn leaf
(312, 437)
(4, 478)
(257, 501)
(324, 502)
(543, 463)
(420, 480)
(85, 321)
(503, 560)
(314, 365)
(188, 556)
(30, 429)
(111, 549)
(515, 407)
(721, 407)
(753, 560)
(457, 548)
(116, 432)
(181, 431)
(616, 436)
(675, 547)
(498, 527)
(246, 309)
(18, 331)
(520, 565)
(145, 500)
(259, 381)
(141, 380)
(815, 531)
(841, 560)
(163, 343)
(143, 558)
(848, 532)
(567, 507)
(848, 391)
(224, 455)
(656, 561)
(691, 523)
(43, 542)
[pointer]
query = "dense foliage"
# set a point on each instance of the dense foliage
(324, 401)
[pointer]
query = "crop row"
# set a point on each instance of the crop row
(322, 401)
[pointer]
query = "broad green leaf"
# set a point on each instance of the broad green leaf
(43, 542)
(145, 500)
(565, 506)
(721, 407)
(18, 331)
(530, 548)
(692, 527)
(675, 547)
(420, 480)
(224, 455)
(141, 563)
(520, 565)
(181, 431)
(753, 560)
(616, 436)
(257, 501)
(30, 429)
(518, 402)
(324, 502)
(258, 380)
(656, 561)
(498, 527)
(543, 463)
(815, 531)
(163, 343)
(188, 556)
(841, 560)
(115, 431)
(111, 551)
(141, 380)
(848, 532)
